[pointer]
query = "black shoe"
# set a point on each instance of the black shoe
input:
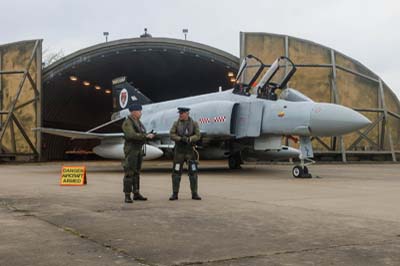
(139, 197)
(196, 196)
(128, 198)
(174, 196)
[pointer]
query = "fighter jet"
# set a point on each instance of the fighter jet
(247, 122)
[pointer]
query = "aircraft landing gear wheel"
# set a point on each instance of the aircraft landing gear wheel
(299, 172)
(234, 162)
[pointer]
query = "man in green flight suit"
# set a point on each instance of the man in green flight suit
(185, 132)
(135, 137)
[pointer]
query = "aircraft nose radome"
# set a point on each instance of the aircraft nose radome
(333, 120)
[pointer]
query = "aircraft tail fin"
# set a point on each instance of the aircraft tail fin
(125, 94)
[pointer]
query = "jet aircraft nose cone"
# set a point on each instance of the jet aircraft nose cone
(333, 120)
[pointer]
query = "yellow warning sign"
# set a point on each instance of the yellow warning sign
(73, 176)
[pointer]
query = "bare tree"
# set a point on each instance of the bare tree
(50, 57)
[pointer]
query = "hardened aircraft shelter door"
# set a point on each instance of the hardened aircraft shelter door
(20, 100)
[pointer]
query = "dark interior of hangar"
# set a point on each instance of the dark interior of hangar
(160, 68)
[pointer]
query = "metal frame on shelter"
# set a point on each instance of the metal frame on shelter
(9, 118)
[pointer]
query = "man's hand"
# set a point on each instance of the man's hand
(185, 139)
(150, 136)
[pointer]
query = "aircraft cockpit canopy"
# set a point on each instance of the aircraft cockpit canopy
(249, 71)
(276, 77)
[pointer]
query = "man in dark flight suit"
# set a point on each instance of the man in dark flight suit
(185, 132)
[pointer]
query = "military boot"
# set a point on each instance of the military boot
(174, 196)
(128, 198)
(196, 196)
(138, 196)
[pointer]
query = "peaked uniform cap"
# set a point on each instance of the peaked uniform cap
(135, 107)
(183, 109)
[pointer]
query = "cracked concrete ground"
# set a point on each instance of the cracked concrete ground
(256, 216)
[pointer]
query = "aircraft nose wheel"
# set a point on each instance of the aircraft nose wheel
(301, 172)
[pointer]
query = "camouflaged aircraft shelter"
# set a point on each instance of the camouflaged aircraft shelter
(73, 93)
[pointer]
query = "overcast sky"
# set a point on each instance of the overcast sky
(365, 30)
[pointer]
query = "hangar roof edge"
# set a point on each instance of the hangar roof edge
(143, 41)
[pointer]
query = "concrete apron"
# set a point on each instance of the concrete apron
(257, 216)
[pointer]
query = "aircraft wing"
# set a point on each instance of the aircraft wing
(78, 134)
